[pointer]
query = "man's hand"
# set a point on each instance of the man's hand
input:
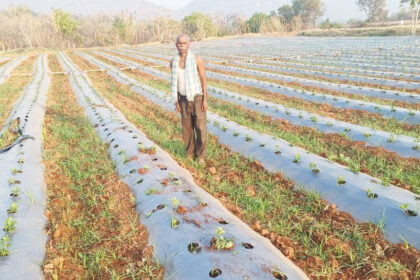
(204, 105)
(177, 107)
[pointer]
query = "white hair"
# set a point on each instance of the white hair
(182, 35)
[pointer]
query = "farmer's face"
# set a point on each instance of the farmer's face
(182, 45)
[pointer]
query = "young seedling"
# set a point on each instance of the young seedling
(174, 222)
(347, 129)
(407, 211)
(4, 246)
(279, 275)
(300, 115)
(313, 119)
(141, 147)
(175, 202)
(224, 128)
(15, 192)
(391, 138)
(124, 158)
(216, 124)
(16, 171)
(235, 134)
(340, 180)
(314, 168)
(367, 134)
(248, 138)
(151, 191)
(329, 123)
(9, 225)
(12, 208)
(371, 194)
(297, 158)
(219, 242)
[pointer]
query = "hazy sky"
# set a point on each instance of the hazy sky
(336, 10)
(171, 4)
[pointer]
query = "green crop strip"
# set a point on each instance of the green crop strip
(9, 92)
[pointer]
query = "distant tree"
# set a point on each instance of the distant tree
(255, 22)
(66, 25)
(286, 13)
(415, 8)
(198, 25)
(374, 9)
(308, 10)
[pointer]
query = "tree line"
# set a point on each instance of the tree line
(20, 27)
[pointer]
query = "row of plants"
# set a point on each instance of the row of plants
(323, 89)
(360, 117)
(387, 166)
(94, 229)
(376, 96)
(265, 201)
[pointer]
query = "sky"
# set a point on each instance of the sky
(337, 10)
(171, 4)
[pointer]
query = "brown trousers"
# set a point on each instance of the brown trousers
(193, 119)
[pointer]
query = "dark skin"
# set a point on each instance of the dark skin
(183, 44)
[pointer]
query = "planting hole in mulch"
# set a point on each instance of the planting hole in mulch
(223, 222)
(215, 272)
(247, 245)
(411, 213)
(194, 248)
(279, 275)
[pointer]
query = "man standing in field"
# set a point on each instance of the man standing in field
(189, 92)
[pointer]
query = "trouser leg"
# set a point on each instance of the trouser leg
(187, 126)
(200, 127)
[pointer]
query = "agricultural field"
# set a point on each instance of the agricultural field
(313, 166)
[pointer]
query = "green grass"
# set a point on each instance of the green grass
(9, 92)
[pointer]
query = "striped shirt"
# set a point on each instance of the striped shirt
(192, 79)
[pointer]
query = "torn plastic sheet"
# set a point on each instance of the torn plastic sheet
(22, 175)
(158, 211)
(7, 68)
(278, 155)
(401, 144)
(400, 114)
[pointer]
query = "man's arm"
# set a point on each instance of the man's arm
(177, 107)
(202, 75)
